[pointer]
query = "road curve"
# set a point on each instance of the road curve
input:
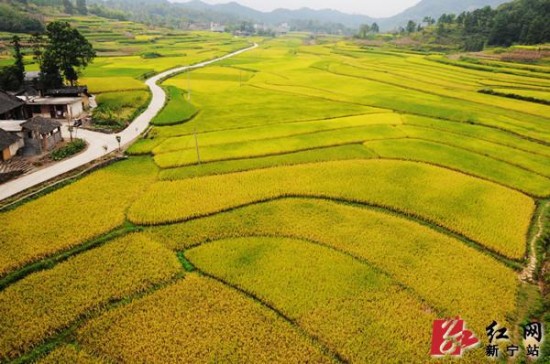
(100, 144)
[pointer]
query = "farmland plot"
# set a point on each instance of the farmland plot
(287, 206)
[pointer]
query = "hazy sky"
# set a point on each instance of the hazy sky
(375, 8)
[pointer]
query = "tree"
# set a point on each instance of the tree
(8, 80)
(68, 7)
(19, 64)
(429, 20)
(363, 31)
(63, 53)
(81, 7)
(411, 27)
(375, 28)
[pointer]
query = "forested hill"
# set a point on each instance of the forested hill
(517, 22)
(434, 9)
(24, 15)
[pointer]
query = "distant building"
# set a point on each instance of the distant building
(9, 145)
(282, 29)
(217, 28)
(41, 135)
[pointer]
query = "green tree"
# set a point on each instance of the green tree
(8, 80)
(364, 31)
(375, 28)
(63, 53)
(18, 55)
(81, 7)
(429, 20)
(411, 27)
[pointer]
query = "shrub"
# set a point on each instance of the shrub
(70, 149)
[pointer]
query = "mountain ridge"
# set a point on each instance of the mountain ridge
(432, 8)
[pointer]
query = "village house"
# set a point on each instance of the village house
(72, 91)
(41, 135)
(18, 133)
(55, 107)
(9, 145)
(12, 108)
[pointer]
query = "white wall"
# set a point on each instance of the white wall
(76, 109)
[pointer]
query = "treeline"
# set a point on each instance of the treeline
(157, 12)
(517, 22)
(13, 20)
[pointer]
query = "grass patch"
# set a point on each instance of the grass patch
(177, 109)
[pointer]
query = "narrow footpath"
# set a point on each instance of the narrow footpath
(100, 144)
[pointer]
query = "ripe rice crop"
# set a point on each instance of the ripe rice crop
(330, 295)
(70, 216)
(267, 147)
(492, 215)
(69, 354)
(222, 111)
(463, 160)
(346, 152)
(478, 132)
(106, 84)
(533, 162)
(419, 258)
(264, 133)
(49, 301)
(200, 320)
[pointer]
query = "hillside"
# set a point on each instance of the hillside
(196, 14)
(435, 8)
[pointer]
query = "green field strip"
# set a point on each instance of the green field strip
(177, 109)
(290, 89)
(345, 152)
(269, 132)
(512, 125)
(479, 132)
(463, 161)
(429, 88)
(459, 202)
(510, 65)
(276, 146)
(484, 68)
(477, 74)
(527, 96)
(216, 323)
(422, 76)
(402, 81)
(51, 300)
(329, 294)
(524, 160)
(225, 111)
(519, 85)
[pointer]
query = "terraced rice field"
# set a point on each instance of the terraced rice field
(296, 203)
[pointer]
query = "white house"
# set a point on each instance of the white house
(55, 107)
